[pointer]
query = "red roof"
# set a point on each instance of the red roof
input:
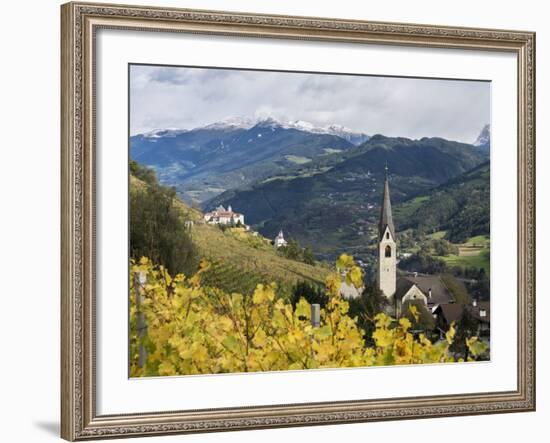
(221, 214)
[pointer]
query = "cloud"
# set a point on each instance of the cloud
(174, 97)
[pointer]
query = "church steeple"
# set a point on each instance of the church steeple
(386, 219)
(387, 246)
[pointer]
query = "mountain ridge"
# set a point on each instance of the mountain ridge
(236, 122)
(204, 162)
(334, 204)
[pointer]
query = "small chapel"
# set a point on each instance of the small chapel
(280, 241)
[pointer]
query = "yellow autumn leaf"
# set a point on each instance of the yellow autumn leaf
(476, 346)
(414, 312)
(167, 368)
(356, 277)
(382, 320)
(260, 338)
(450, 334)
(382, 337)
(405, 323)
(344, 261)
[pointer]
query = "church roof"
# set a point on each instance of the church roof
(440, 293)
(220, 211)
(386, 218)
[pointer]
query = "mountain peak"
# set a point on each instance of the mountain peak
(268, 122)
(305, 126)
(231, 123)
(484, 137)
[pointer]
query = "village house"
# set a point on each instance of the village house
(222, 216)
(479, 310)
(428, 289)
(350, 291)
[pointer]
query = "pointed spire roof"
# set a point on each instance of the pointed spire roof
(386, 218)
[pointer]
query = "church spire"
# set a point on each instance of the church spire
(386, 218)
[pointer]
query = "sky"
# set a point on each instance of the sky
(186, 98)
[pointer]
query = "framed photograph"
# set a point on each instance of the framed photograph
(277, 221)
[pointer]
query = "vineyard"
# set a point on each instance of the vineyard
(181, 326)
(230, 278)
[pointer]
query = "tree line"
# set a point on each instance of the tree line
(157, 228)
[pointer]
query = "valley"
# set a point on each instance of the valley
(320, 188)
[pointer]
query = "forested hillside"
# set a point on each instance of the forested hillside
(461, 207)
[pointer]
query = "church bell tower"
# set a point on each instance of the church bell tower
(387, 247)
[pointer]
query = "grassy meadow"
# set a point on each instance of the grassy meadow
(472, 253)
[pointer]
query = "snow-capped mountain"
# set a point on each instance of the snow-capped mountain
(231, 123)
(340, 131)
(204, 161)
(246, 123)
(484, 138)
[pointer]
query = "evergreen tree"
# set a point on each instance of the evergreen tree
(310, 292)
(366, 306)
(466, 327)
(157, 230)
(309, 258)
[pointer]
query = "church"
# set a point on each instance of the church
(222, 216)
(430, 290)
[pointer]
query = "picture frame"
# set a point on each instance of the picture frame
(79, 400)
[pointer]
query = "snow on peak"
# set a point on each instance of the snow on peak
(166, 132)
(301, 125)
(484, 137)
(268, 122)
(338, 130)
(232, 123)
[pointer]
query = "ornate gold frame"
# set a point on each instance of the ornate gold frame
(79, 420)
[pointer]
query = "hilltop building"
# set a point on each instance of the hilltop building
(280, 241)
(222, 216)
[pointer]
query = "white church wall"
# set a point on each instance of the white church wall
(387, 265)
(414, 294)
